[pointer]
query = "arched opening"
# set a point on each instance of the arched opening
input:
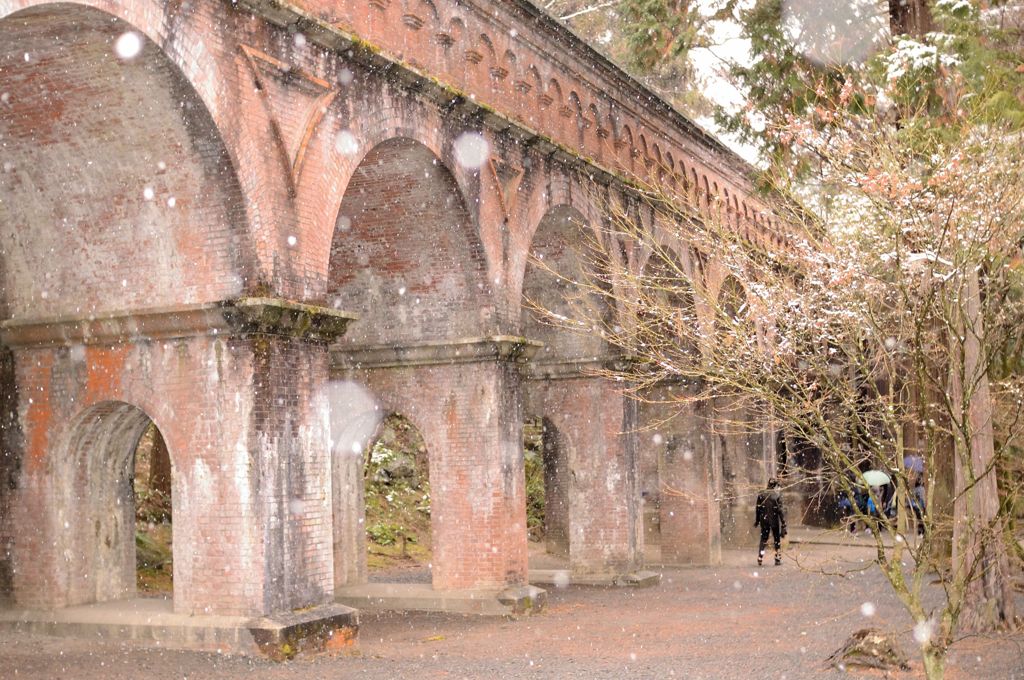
(564, 438)
(118, 194)
(109, 541)
(396, 474)
(406, 254)
(407, 257)
(151, 487)
(741, 458)
(547, 486)
(666, 319)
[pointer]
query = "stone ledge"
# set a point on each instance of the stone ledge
(565, 369)
(152, 622)
(461, 351)
(239, 316)
(564, 577)
(422, 597)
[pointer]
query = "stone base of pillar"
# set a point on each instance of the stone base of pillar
(421, 597)
(152, 621)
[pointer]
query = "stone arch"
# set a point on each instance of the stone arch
(557, 255)
(406, 254)
(98, 455)
(667, 299)
(142, 194)
(731, 300)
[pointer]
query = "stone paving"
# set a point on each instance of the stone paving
(732, 621)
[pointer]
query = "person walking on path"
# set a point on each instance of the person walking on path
(771, 517)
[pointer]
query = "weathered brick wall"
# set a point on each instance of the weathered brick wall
(745, 467)
(406, 254)
(116, 191)
(471, 421)
(250, 489)
(551, 282)
(679, 474)
(604, 505)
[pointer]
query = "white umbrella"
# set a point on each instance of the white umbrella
(876, 478)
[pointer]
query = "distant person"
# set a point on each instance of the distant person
(771, 517)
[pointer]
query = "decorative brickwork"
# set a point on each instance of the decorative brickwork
(190, 220)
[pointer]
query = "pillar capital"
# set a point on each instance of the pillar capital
(236, 316)
(461, 351)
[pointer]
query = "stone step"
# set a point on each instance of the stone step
(423, 597)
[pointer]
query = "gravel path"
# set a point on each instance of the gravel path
(734, 621)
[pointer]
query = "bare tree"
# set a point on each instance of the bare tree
(873, 334)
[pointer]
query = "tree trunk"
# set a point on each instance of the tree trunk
(909, 17)
(980, 556)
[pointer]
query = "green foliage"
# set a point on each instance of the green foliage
(152, 505)
(534, 464)
(397, 496)
(659, 30)
(384, 534)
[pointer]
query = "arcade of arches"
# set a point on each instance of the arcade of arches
(261, 245)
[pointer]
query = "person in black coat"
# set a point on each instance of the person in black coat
(771, 517)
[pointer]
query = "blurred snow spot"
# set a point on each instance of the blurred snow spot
(292, 240)
(471, 150)
(296, 506)
(867, 609)
(345, 77)
(657, 439)
(5, 98)
(171, 202)
(835, 33)
(736, 585)
(353, 415)
(346, 143)
(687, 454)
(923, 631)
(561, 578)
(344, 222)
(300, 40)
(128, 45)
(148, 194)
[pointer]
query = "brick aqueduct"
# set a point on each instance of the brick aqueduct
(264, 201)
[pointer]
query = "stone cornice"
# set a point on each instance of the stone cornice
(240, 316)
(567, 369)
(462, 351)
(390, 49)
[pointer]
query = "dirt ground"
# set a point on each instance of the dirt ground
(734, 621)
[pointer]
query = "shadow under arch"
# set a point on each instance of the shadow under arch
(120, 191)
(406, 253)
(99, 538)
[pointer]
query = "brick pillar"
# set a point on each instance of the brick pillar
(741, 456)
(597, 424)
(689, 520)
(233, 387)
(463, 396)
